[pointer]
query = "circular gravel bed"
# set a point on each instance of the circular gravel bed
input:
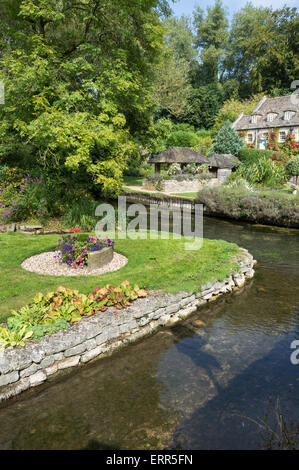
(45, 263)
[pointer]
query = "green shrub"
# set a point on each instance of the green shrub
(263, 172)
(249, 156)
(183, 138)
(205, 145)
(236, 181)
(292, 168)
(82, 214)
(263, 207)
(252, 155)
(146, 169)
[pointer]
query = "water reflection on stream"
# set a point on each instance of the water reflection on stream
(189, 387)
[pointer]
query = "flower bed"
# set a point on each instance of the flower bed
(75, 252)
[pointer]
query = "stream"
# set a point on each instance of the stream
(211, 382)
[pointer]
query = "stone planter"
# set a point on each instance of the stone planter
(98, 259)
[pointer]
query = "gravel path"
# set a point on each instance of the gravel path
(45, 263)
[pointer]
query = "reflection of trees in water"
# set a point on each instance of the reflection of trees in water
(235, 418)
(194, 350)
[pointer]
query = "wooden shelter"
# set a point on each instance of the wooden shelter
(223, 161)
(179, 155)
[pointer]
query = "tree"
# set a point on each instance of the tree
(78, 76)
(172, 86)
(205, 102)
(238, 61)
(263, 49)
(180, 38)
(227, 140)
(211, 38)
(232, 108)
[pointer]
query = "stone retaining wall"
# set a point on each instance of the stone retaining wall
(186, 186)
(102, 334)
(29, 229)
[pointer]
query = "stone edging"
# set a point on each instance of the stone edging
(24, 367)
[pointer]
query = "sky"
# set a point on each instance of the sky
(185, 7)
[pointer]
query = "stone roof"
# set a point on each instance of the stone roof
(224, 160)
(179, 155)
(277, 106)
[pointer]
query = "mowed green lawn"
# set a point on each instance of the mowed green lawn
(153, 264)
(133, 180)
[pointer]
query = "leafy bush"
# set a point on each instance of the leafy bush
(156, 180)
(292, 167)
(146, 169)
(82, 214)
(204, 145)
(234, 180)
(120, 296)
(58, 310)
(279, 158)
(263, 172)
(248, 156)
(263, 207)
(183, 138)
(21, 197)
(174, 169)
(24, 196)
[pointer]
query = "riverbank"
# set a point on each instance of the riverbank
(266, 207)
(101, 335)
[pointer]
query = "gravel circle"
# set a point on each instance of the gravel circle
(45, 263)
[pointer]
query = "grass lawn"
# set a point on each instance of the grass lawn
(153, 264)
(190, 195)
(133, 180)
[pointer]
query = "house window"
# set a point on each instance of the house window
(282, 136)
(287, 115)
(254, 119)
(249, 137)
(270, 117)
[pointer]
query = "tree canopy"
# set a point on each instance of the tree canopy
(78, 75)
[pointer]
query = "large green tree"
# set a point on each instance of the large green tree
(263, 49)
(78, 77)
(180, 38)
(211, 39)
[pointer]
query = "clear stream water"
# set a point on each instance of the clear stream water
(203, 384)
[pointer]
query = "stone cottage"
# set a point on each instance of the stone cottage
(280, 113)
